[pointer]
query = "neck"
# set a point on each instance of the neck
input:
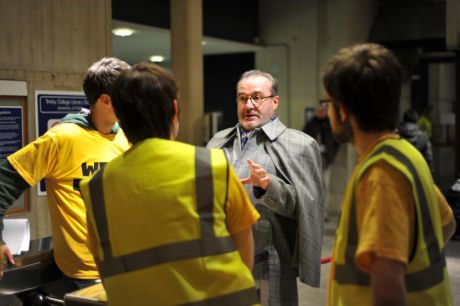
(364, 140)
(102, 125)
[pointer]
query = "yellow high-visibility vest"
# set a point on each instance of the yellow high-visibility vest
(426, 279)
(183, 253)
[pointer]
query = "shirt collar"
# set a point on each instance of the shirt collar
(272, 129)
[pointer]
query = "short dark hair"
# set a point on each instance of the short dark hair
(142, 98)
(366, 79)
(100, 77)
(268, 76)
(410, 116)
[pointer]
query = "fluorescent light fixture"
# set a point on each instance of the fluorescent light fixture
(123, 32)
(157, 58)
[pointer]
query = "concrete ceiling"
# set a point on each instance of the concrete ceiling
(147, 41)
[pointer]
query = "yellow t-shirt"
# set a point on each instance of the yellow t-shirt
(385, 215)
(63, 156)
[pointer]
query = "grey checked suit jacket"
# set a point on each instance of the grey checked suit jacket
(296, 183)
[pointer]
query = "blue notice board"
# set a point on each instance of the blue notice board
(11, 130)
(51, 106)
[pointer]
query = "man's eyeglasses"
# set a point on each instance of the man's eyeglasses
(256, 100)
(325, 102)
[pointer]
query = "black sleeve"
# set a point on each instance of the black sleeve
(12, 185)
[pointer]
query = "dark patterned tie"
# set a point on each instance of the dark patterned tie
(244, 138)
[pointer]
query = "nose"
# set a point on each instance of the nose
(252, 102)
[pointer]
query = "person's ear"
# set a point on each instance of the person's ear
(175, 120)
(276, 100)
(343, 113)
(176, 109)
(106, 99)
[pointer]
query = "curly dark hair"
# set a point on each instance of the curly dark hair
(366, 79)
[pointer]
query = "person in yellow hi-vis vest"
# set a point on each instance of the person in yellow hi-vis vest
(170, 223)
(394, 223)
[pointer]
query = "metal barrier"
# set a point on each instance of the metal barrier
(33, 270)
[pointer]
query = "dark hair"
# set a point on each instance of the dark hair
(142, 98)
(366, 79)
(410, 116)
(253, 73)
(100, 77)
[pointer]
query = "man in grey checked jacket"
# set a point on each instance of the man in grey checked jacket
(281, 170)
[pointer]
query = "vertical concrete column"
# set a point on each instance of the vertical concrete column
(343, 23)
(358, 18)
(187, 66)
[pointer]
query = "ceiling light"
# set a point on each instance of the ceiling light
(123, 32)
(157, 58)
(203, 43)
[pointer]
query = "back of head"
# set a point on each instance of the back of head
(143, 98)
(410, 116)
(100, 77)
(366, 79)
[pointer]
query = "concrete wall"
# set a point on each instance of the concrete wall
(49, 44)
(300, 37)
(292, 26)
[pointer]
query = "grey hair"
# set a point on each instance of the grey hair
(268, 76)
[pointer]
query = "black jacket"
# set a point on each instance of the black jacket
(320, 130)
(419, 139)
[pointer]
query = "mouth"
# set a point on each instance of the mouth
(251, 116)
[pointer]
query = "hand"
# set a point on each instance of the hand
(259, 177)
(5, 256)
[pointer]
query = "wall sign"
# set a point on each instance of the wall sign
(12, 138)
(11, 130)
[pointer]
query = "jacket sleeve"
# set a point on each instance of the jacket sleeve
(280, 197)
(12, 185)
(298, 160)
(310, 217)
(298, 181)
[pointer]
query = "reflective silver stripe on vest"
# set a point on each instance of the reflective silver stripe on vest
(242, 297)
(96, 191)
(204, 191)
(349, 273)
(208, 245)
